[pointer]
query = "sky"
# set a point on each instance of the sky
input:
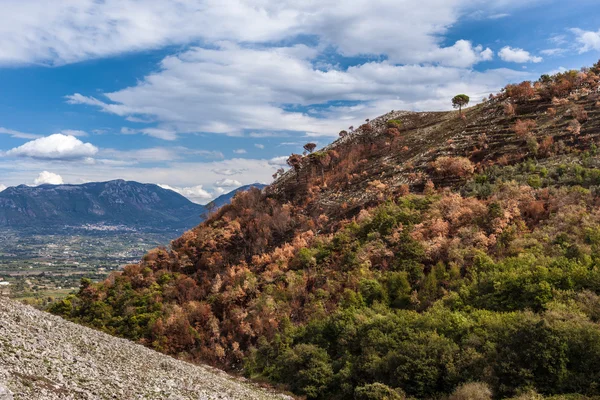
(202, 96)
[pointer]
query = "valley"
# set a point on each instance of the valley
(44, 267)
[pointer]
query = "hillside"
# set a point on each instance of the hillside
(46, 357)
(227, 197)
(420, 255)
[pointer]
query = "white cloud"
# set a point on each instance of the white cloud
(197, 194)
(50, 178)
(75, 30)
(228, 183)
(240, 151)
(2, 187)
(55, 147)
(517, 55)
(205, 90)
(558, 40)
(219, 191)
(17, 134)
(259, 146)
(164, 134)
(588, 40)
(280, 161)
(553, 52)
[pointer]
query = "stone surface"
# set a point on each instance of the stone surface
(45, 357)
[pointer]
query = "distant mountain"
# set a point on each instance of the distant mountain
(226, 198)
(119, 202)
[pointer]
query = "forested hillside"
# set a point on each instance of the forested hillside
(421, 255)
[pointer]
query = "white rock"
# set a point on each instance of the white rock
(70, 361)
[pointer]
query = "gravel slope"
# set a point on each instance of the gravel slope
(45, 357)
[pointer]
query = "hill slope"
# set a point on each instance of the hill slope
(119, 202)
(227, 197)
(416, 254)
(46, 357)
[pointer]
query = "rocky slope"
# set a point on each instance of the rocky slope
(46, 357)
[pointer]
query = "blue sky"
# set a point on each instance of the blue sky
(203, 95)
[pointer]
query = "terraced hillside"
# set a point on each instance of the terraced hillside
(485, 136)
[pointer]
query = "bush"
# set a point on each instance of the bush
(454, 166)
(522, 91)
(378, 391)
(509, 109)
(523, 128)
(472, 391)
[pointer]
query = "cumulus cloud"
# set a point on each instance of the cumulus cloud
(49, 178)
(2, 187)
(228, 183)
(259, 146)
(588, 40)
(205, 90)
(517, 55)
(55, 147)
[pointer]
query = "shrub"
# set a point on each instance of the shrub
(523, 127)
(453, 166)
(574, 127)
(559, 102)
(366, 128)
(472, 391)
(394, 123)
(551, 111)
(530, 395)
(509, 109)
(522, 91)
(579, 113)
(546, 145)
(378, 391)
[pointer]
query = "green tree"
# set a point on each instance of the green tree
(307, 369)
(459, 101)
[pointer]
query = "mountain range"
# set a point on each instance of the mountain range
(119, 203)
